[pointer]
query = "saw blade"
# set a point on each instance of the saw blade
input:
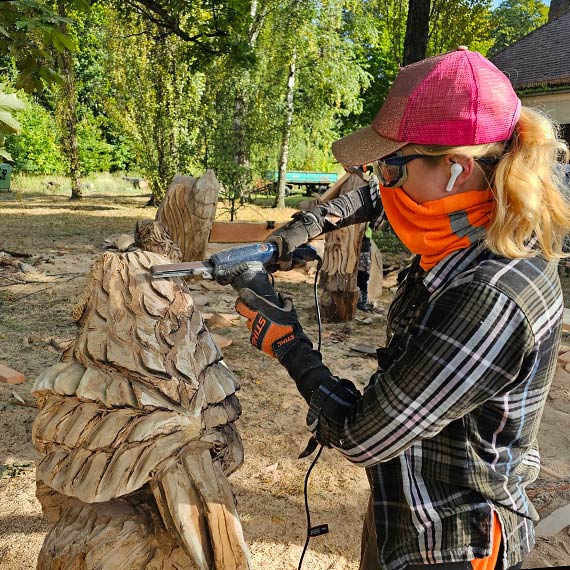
(182, 269)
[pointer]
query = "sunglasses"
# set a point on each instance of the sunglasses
(391, 171)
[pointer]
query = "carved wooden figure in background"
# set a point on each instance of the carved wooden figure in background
(340, 266)
(136, 431)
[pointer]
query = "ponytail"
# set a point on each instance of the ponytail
(527, 188)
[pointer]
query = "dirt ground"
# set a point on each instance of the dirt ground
(64, 238)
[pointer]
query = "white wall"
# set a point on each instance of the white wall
(556, 105)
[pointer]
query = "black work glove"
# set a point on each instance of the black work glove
(274, 329)
(303, 227)
(226, 274)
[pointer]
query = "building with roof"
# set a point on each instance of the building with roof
(538, 66)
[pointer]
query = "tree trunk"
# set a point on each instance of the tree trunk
(240, 124)
(284, 154)
(164, 126)
(68, 112)
(557, 8)
(417, 29)
(340, 267)
(136, 431)
(188, 210)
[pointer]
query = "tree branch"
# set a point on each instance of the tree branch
(161, 17)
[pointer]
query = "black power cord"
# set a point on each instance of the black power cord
(320, 529)
(311, 531)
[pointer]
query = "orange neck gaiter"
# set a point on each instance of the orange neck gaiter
(435, 229)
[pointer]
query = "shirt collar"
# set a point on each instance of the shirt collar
(458, 261)
(452, 265)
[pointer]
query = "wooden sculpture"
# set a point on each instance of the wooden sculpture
(375, 288)
(152, 235)
(188, 210)
(340, 266)
(136, 431)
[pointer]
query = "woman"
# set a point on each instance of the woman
(447, 426)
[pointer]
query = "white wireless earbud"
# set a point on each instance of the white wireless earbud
(456, 170)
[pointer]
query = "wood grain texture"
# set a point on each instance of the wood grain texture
(340, 266)
(152, 235)
(375, 289)
(188, 210)
(140, 403)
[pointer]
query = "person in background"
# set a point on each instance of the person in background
(446, 427)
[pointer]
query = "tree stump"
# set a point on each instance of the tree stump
(188, 210)
(340, 267)
(136, 432)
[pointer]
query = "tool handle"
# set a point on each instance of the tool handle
(258, 281)
(265, 253)
(262, 252)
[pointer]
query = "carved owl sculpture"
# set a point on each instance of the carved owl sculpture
(136, 431)
(152, 235)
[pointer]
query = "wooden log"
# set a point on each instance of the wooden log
(188, 210)
(140, 410)
(10, 376)
(242, 232)
(340, 267)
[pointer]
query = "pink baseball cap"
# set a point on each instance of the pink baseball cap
(458, 98)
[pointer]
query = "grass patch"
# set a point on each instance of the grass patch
(12, 470)
(99, 184)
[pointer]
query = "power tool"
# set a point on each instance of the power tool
(255, 257)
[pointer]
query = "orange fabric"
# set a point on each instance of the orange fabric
(490, 562)
(425, 229)
(264, 333)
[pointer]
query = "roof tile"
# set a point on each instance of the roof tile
(539, 58)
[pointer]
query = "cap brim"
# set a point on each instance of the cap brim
(364, 146)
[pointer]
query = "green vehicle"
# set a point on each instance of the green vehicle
(313, 182)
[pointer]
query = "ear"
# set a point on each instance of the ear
(455, 170)
(467, 163)
(460, 170)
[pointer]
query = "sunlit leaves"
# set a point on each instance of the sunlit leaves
(28, 30)
(513, 19)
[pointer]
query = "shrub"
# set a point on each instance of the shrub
(95, 154)
(35, 150)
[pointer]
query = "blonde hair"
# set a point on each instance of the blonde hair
(527, 187)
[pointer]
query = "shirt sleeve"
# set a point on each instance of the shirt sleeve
(358, 206)
(468, 347)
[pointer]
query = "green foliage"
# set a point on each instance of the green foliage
(514, 19)
(95, 154)
(387, 241)
(28, 30)
(208, 29)
(36, 150)
(9, 103)
(155, 101)
(460, 22)
(167, 86)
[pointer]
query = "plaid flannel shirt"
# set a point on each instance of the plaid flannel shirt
(447, 426)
